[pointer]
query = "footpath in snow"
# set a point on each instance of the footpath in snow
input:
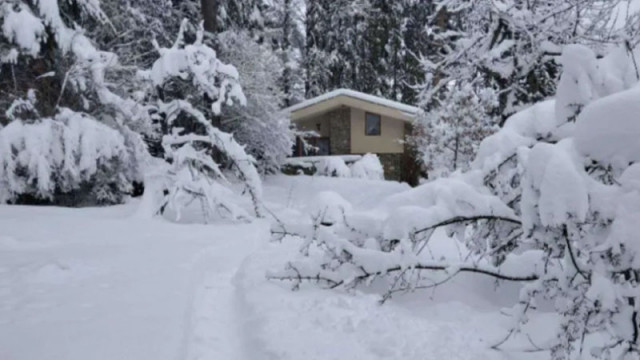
(94, 284)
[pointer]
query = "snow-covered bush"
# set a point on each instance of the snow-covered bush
(195, 148)
(328, 207)
(333, 166)
(368, 167)
(551, 201)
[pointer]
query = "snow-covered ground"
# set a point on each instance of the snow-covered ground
(99, 284)
(93, 284)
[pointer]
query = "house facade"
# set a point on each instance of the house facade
(347, 122)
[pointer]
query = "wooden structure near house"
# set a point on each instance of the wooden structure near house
(349, 122)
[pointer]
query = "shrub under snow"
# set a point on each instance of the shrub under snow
(369, 167)
(366, 167)
(333, 166)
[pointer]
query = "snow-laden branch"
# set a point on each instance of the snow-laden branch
(468, 219)
(294, 273)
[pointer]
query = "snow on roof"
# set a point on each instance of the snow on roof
(411, 110)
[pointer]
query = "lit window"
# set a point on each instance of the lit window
(372, 124)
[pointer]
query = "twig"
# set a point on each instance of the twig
(565, 234)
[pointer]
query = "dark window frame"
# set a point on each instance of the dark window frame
(366, 118)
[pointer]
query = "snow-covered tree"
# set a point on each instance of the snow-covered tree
(511, 44)
(55, 86)
(284, 29)
(447, 136)
(63, 92)
(259, 124)
(188, 81)
(551, 201)
(394, 38)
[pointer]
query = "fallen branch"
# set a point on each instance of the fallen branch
(334, 283)
(462, 219)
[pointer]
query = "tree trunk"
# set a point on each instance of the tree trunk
(455, 153)
(286, 48)
(209, 10)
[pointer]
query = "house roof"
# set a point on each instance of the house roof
(404, 108)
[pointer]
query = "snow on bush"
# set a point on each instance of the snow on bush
(368, 167)
(333, 166)
(56, 156)
(551, 201)
(329, 207)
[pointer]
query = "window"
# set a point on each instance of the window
(319, 146)
(372, 124)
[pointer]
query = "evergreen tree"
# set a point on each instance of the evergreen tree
(371, 46)
(385, 49)
(284, 30)
(334, 44)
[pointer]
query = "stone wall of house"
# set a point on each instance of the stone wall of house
(392, 164)
(340, 131)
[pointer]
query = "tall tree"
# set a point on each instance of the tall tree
(284, 30)
(334, 45)
(372, 46)
(209, 9)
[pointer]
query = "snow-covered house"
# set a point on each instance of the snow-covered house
(350, 122)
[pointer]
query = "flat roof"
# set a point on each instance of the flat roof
(410, 110)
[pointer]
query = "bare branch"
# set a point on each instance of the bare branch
(463, 219)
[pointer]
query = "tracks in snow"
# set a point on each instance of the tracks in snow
(219, 320)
